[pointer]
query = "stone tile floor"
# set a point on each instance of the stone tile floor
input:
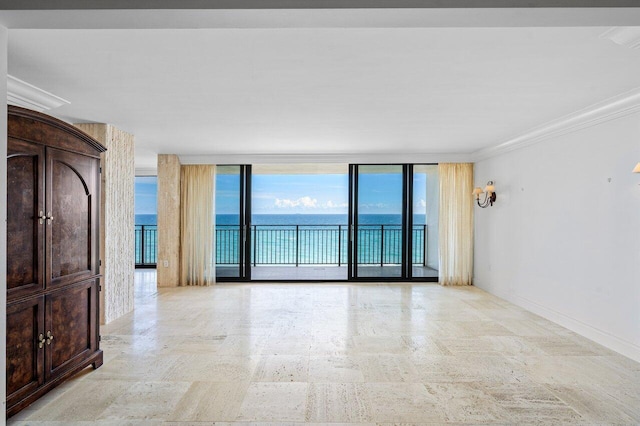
(340, 354)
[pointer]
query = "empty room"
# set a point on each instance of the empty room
(351, 212)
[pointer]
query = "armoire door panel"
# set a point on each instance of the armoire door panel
(25, 230)
(25, 357)
(53, 176)
(70, 326)
(71, 210)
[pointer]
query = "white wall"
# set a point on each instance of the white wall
(563, 239)
(3, 214)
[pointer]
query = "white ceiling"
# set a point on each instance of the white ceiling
(325, 90)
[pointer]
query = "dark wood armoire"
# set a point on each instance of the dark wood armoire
(53, 264)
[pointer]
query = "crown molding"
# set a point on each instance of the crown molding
(624, 36)
(22, 94)
(610, 109)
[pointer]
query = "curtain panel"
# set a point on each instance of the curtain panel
(456, 224)
(197, 223)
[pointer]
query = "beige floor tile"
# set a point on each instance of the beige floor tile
(363, 345)
(119, 422)
(627, 397)
(282, 368)
(274, 402)
(469, 368)
(146, 401)
(523, 327)
(403, 402)
(335, 369)
(579, 371)
(210, 402)
(530, 403)
(384, 354)
(491, 345)
(223, 345)
(466, 403)
(77, 405)
(135, 367)
(456, 328)
(388, 368)
(211, 368)
(595, 405)
(422, 345)
(337, 402)
(300, 345)
(332, 345)
(564, 346)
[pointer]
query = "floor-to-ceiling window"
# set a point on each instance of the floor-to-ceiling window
(378, 203)
(146, 221)
(231, 210)
(425, 221)
(299, 222)
(393, 213)
(326, 222)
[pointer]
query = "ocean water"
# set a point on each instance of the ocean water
(146, 219)
(298, 219)
(301, 239)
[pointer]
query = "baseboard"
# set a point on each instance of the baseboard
(601, 337)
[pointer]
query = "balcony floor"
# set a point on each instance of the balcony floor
(321, 273)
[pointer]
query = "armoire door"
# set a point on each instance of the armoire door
(25, 348)
(72, 215)
(25, 227)
(70, 326)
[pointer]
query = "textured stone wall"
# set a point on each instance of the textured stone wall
(168, 220)
(117, 245)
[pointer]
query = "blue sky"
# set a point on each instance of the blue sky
(318, 194)
(146, 195)
(300, 194)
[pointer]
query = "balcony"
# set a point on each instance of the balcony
(146, 246)
(298, 252)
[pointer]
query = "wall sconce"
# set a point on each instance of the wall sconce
(636, 169)
(489, 194)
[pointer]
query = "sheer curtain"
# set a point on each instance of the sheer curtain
(197, 222)
(456, 224)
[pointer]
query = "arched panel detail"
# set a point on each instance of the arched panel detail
(84, 183)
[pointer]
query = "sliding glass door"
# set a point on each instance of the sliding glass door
(298, 229)
(391, 207)
(232, 207)
(378, 221)
(424, 232)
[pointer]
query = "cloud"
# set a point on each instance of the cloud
(422, 203)
(331, 205)
(304, 202)
(374, 205)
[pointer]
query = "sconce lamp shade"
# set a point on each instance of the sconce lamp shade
(489, 192)
(636, 169)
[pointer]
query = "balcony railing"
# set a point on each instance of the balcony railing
(319, 245)
(300, 245)
(146, 246)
